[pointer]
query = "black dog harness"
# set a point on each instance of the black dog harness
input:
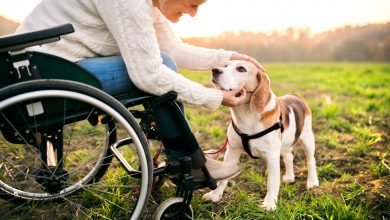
(245, 137)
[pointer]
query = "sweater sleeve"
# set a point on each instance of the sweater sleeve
(187, 56)
(131, 24)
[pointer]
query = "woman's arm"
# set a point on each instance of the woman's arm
(193, 57)
(131, 24)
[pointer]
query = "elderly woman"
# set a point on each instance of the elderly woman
(129, 45)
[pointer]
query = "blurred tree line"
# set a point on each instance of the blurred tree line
(350, 43)
(360, 43)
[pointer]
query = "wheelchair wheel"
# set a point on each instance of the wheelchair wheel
(57, 140)
(172, 209)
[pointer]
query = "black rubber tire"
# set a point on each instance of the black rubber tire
(173, 209)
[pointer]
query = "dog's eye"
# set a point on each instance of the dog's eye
(241, 69)
(226, 66)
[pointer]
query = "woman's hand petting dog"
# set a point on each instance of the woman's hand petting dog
(237, 56)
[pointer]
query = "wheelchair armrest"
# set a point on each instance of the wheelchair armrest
(21, 41)
(169, 96)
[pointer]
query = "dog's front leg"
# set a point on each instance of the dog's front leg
(232, 156)
(273, 182)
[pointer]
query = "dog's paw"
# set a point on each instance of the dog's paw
(211, 196)
(311, 183)
(269, 205)
(288, 179)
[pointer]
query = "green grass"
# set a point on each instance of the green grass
(351, 121)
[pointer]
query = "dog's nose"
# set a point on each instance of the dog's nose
(216, 71)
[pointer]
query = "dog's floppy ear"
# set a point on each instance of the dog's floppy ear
(262, 93)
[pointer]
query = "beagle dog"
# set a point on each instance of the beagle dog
(266, 126)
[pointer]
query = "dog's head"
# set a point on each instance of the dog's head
(238, 72)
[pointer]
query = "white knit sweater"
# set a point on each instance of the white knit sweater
(136, 30)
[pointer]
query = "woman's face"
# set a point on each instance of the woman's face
(174, 9)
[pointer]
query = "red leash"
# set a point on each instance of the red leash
(222, 148)
(224, 145)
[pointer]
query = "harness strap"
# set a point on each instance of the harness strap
(245, 137)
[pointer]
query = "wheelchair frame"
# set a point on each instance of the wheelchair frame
(27, 75)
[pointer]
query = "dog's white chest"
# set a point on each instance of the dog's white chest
(265, 144)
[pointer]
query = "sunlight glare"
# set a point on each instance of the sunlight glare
(217, 16)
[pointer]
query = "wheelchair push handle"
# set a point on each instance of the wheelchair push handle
(20, 41)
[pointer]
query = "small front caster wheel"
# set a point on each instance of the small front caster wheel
(174, 208)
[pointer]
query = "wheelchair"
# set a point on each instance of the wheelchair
(70, 150)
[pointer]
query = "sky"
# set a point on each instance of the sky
(217, 16)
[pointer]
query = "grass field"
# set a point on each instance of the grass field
(351, 121)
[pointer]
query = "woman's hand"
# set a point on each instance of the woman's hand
(237, 56)
(234, 97)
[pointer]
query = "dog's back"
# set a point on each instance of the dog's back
(300, 110)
